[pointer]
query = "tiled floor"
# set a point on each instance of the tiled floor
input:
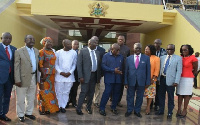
(71, 118)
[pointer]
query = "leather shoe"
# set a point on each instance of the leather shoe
(119, 104)
(127, 114)
(21, 119)
(96, 105)
(79, 112)
(114, 111)
(74, 105)
(4, 118)
(159, 113)
(30, 116)
(89, 111)
(62, 110)
(169, 116)
(102, 112)
(138, 114)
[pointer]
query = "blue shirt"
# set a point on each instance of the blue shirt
(9, 50)
(109, 63)
(32, 58)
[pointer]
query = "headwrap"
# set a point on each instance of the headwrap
(43, 41)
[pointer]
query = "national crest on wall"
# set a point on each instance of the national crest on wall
(98, 9)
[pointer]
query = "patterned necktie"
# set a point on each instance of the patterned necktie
(94, 66)
(8, 54)
(166, 65)
(137, 62)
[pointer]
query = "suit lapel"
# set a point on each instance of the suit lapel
(140, 60)
(25, 52)
(88, 53)
(3, 51)
(36, 56)
(133, 61)
(13, 52)
(171, 60)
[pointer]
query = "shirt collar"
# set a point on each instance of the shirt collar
(137, 55)
(90, 49)
(6, 46)
(29, 48)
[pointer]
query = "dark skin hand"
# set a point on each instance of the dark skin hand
(175, 84)
(19, 84)
(81, 80)
(65, 74)
(117, 71)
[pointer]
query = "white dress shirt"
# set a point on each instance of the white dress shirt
(165, 63)
(9, 50)
(32, 58)
(65, 62)
(90, 51)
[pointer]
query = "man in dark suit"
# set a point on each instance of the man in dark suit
(6, 74)
(112, 66)
(137, 76)
(73, 91)
(88, 66)
(101, 50)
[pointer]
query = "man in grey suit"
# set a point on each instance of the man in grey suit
(88, 66)
(26, 67)
(170, 74)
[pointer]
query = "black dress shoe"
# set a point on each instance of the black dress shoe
(138, 114)
(89, 111)
(102, 112)
(21, 119)
(169, 116)
(74, 105)
(4, 118)
(67, 106)
(30, 116)
(62, 110)
(79, 112)
(114, 111)
(96, 105)
(127, 114)
(159, 113)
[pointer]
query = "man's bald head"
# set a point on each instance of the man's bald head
(6, 38)
(115, 48)
(96, 39)
(92, 44)
(75, 44)
(67, 44)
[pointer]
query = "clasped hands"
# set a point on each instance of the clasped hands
(65, 74)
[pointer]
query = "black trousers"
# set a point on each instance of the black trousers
(73, 93)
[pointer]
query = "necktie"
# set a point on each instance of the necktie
(166, 65)
(94, 66)
(137, 62)
(8, 54)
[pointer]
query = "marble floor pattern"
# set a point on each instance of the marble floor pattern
(71, 118)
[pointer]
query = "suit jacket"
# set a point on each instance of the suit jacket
(5, 64)
(174, 69)
(84, 65)
(23, 66)
(142, 74)
(101, 51)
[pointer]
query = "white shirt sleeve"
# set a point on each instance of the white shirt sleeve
(57, 63)
(74, 63)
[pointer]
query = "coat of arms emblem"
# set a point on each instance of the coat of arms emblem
(98, 9)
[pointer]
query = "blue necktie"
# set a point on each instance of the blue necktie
(94, 66)
(166, 65)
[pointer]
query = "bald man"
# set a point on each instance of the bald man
(65, 65)
(89, 73)
(112, 63)
(6, 74)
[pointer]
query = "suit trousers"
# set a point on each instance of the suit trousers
(161, 95)
(156, 97)
(25, 98)
(73, 93)
(87, 89)
(195, 79)
(62, 92)
(114, 88)
(131, 96)
(5, 93)
(97, 97)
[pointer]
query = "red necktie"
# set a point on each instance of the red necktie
(8, 54)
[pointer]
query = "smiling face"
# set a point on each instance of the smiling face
(30, 41)
(185, 51)
(6, 38)
(147, 51)
(48, 43)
